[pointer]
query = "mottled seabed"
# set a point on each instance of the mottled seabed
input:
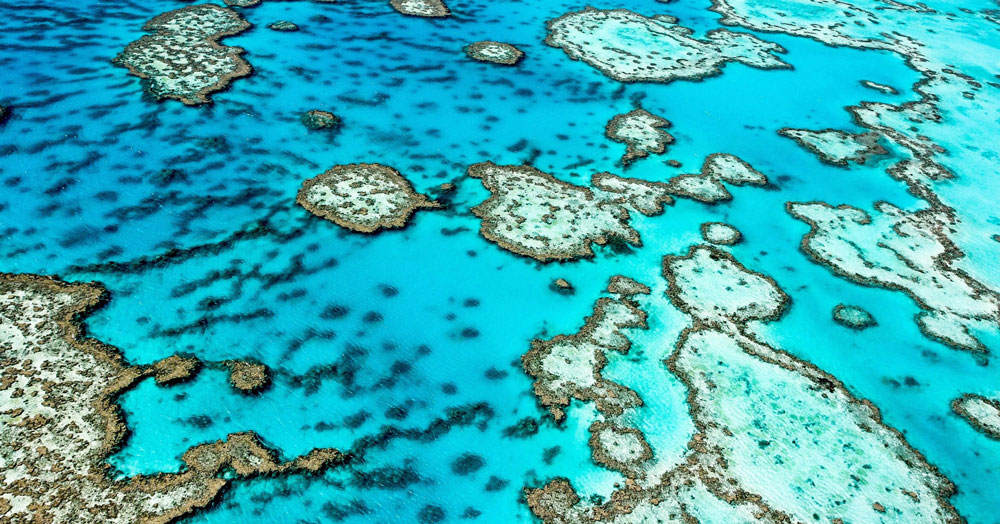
(631, 262)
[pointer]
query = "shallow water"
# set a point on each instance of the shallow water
(436, 316)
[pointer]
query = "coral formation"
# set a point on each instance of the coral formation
(707, 186)
(425, 8)
(248, 376)
(362, 197)
(720, 234)
(981, 412)
(317, 119)
(909, 252)
(61, 421)
(948, 79)
(836, 147)
(535, 214)
(776, 439)
(642, 133)
(494, 52)
(569, 366)
(854, 317)
(629, 47)
(183, 59)
(532, 213)
(283, 25)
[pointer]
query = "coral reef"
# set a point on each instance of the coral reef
(950, 77)
(909, 252)
(362, 197)
(642, 133)
(981, 412)
(707, 186)
(535, 214)
(494, 52)
(61, 421)
(183, 59)
(283, 25)
(247, 376)
(425, 8)
(569, 366)
(629, 47)
(776, 439)
(836, 147)
(317, 119)
(854, 317)
(720, 234)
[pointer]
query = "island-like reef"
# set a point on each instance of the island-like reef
(629, 47)
(981, 412)
(642, 132)
(183, 59)
(362, 197)
(776, 439)
(425, 8)
(494, 52)
(61, 421)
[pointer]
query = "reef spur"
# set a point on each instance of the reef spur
(183, 59)
(61, 422)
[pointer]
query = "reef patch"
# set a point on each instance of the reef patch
(629, 47)
(424, 8)
(247, 376)
(836, 147)
(720, 234)
(494, 52)
(908, 252)
(317, 120)
(707, 186)
(183, 59)
(981, 412)
(61, 421)
(769, 428)
(283, 25)
(569, 367)
(642, 132)
(362, 197)
(854, 317)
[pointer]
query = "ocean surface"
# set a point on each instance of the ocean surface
(404, 346)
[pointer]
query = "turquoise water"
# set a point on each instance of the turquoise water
(436, 317)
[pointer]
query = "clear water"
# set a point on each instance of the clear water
(80, 155)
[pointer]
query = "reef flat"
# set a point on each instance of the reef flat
(629, 47)
(405, 349)
(535, 214)
(837, 147)
(707, 185)
(569, 366)
(494, 52)
(532, 213)
(854, 317)
(642, 133)
(720, 233)
(981, 412)
(424, 8)
(909, 252)
(61, 421)
(362, 197)
(766, 424)
(183, 59)
(957, 300)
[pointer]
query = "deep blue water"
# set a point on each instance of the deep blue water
(78, 165)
